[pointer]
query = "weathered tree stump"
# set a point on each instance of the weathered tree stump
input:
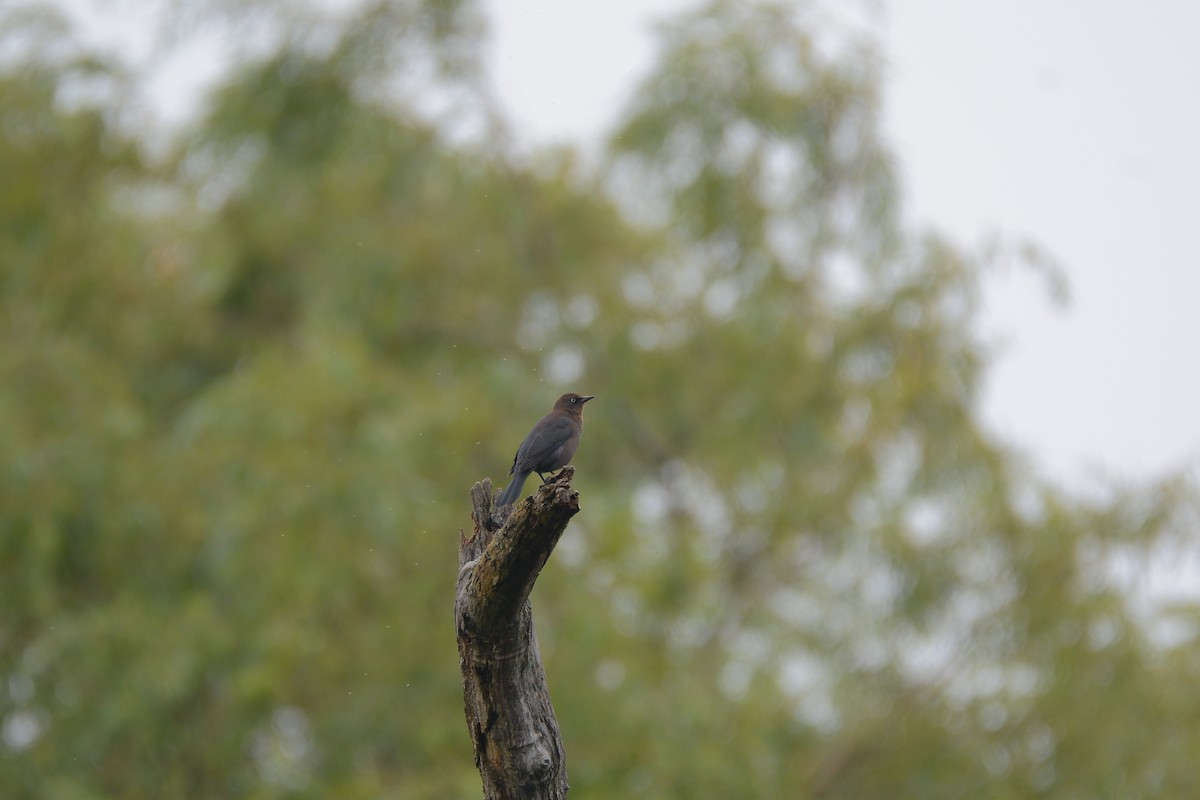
(518, 748)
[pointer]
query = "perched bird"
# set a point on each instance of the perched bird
(548, 446)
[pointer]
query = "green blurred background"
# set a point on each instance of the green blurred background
(248, 375)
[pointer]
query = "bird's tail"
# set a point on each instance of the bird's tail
(513, 492)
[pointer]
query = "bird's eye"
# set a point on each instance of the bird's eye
(574, 399)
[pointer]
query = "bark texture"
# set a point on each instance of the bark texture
(518, 748)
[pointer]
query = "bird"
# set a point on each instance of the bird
(549, 445)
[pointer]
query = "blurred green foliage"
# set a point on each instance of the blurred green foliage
(244, 389)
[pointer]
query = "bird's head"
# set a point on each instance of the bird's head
(572, 403)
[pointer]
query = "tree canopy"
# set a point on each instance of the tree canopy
(249, 376)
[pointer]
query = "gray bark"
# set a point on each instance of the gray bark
(518, 748)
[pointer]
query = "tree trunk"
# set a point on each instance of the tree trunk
(518, 749)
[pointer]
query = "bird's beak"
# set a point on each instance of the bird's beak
(585, 398)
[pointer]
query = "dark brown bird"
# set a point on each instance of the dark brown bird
(548, 446)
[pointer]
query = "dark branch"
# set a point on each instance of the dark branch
(517, 744)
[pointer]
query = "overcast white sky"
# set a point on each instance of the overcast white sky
(1075, 123)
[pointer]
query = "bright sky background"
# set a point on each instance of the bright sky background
(1074, 123)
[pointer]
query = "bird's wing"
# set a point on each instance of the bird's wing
(536, 448)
